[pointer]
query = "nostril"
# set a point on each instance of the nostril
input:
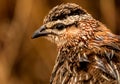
(40, 32)
(42, 28)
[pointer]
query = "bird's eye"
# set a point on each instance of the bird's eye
(60, 26)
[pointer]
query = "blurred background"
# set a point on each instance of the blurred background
(30, 61)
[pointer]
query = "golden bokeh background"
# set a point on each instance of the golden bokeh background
(30, 61)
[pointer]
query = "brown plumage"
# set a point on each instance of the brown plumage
(88, 52)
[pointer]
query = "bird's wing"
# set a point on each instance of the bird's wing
(99, 65)
(105, 63)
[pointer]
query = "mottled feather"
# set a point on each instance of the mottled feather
(88, 52)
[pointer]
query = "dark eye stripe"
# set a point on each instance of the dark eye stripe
(60, 26)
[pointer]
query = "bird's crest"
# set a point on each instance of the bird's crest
(62, 11)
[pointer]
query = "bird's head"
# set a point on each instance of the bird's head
(62, 23)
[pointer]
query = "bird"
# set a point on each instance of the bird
(88, 52)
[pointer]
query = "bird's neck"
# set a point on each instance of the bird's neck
(72, 51)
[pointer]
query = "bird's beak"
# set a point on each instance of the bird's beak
(40, 32)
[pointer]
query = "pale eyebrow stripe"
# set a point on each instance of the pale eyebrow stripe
(69, 20)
